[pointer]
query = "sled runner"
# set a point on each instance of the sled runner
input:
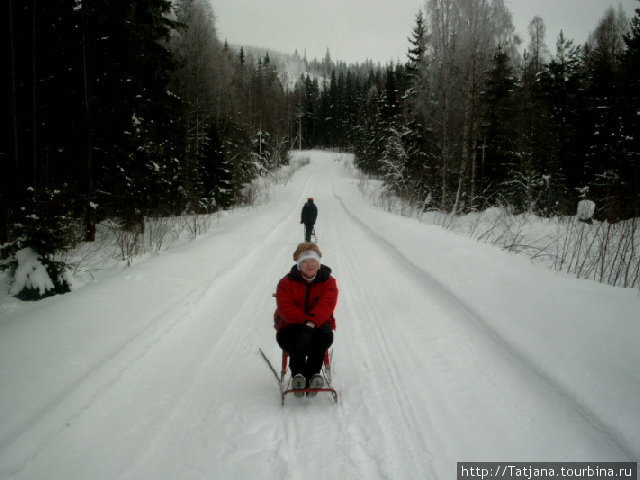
(284, 380)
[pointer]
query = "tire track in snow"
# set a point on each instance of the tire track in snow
(20, 447)
(479, 323)
(363, 428)
(378, 362)
(233, 343)
(228, 357)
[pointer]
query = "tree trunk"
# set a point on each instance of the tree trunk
(89, 212)
(34, 97)
(4, 206)
(445, 153)
(4, 221)
(474, 175)
(14, 93)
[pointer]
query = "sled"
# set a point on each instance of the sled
(284, 380)
(314, 237)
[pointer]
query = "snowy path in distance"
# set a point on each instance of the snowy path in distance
(155, 372)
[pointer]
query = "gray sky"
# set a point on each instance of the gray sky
(355, 30)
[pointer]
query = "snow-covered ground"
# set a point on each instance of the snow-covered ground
(447, 350)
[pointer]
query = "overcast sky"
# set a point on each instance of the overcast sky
(356, 30)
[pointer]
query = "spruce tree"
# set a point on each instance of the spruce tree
(42, 171)
(631, 118)
(604, 103)
(562, 86)
(498, 135)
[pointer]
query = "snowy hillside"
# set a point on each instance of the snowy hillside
(290, 67)
(447, 350)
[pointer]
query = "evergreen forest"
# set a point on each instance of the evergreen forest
(122, 110)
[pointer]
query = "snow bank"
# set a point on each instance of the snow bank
(31, 273)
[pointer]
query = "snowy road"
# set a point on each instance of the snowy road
(154, 373)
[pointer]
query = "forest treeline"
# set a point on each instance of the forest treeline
(468, 122)
(122, 110)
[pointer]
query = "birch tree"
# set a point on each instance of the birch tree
(538, 51)
(442, 17)
(463, 37)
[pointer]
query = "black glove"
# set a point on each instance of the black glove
(326, 328)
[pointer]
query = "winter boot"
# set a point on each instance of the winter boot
(299, 382)
(316, 382)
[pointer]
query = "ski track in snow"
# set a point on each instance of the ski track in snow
(422, 383)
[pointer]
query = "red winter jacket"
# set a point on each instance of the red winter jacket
(300, 301)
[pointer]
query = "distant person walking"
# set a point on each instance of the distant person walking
(308, 217)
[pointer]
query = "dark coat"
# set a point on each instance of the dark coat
(300, 301)
(309, 213)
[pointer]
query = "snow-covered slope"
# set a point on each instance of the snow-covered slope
(446, 351)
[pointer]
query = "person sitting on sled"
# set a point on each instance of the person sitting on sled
(306, 298)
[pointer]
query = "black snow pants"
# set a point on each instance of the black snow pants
(306, 347)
